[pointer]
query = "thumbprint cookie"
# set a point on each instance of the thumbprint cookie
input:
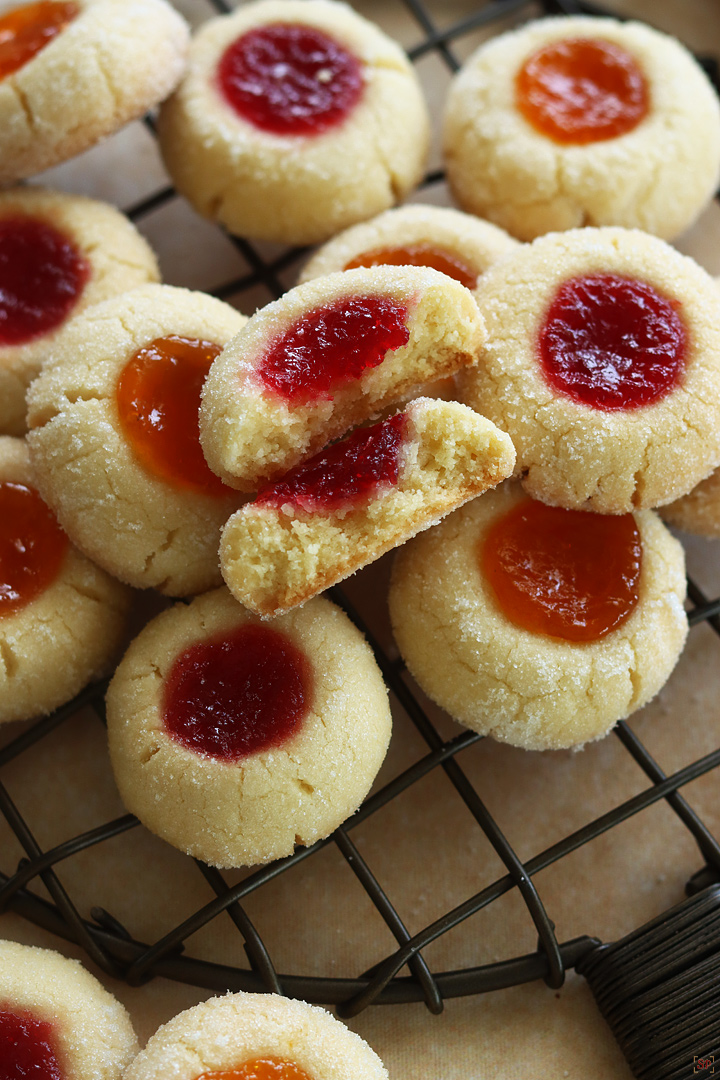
(74, 71)
(62, 619)
(698, 512)
(583, 121)
(57, 1022)
(603, 365)
(540, 626)
(329, 354)
(234, 739)
(256, 1037)
(296, 119)
(58, 254)
(115, 441)
(357, 499)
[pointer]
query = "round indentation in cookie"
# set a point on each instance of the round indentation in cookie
(602, 365)
(235, 740)
(32, 545)
(284, 106)
(26, 30)
(577, 121)
(494, 673)
(124, 386)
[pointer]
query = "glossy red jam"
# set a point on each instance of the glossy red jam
(564, 573)
(290, 79)
(582, 90)
(32, 546)
(344, 475)
(26, 30)
(260, 1069)
(42, 275)
(418, 255)
(28, 1048)
(333, 345)
(158, 397)
(238, 693)
(612, 342)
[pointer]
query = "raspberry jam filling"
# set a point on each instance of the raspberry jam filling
(290, 79)
(418, 255)
(612, 342)
(42, 275)
(564, 573)
(582, 90)
(28, 1048)
(332, 345)
(238, 693)
(158, 397)
(260, 1069)
(345, 475)
(26, 30)
(32, 546)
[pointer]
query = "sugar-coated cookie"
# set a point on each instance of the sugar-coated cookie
(57, 1020)
(74, 72)
(115, 443)
(581, 121)
(234, 739)
(698, 512)
(256, 1035)
(327, 355)
(538, 625)
(59, 254)
(294, 121)
(358, 499)
(603, 365)
(62, 619)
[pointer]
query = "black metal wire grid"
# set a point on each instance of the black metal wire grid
(106, 941)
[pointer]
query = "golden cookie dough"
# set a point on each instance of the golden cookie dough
(225, 1033)
(258, 807)
(115, 60)
(572, 454)
(296, 189)
(698, 512)
(473, 243)
(251, 435)
(656, 177)
(67, 635)
(118, 258)
(275, 557)
(91, 1032)
(138, 526)
(524, 688)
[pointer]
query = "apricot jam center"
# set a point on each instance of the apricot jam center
(32, 546)
(27, 1048)
(581, 91)
(612, 342)
(26, 30)
(565, 573)
(290, 79)
(158, 396)
(332, 345)
(42, 275)
(419, 255)
(260, 1069)
(344, 475)
(238, 693)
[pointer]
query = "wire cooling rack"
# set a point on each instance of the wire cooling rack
(113, 948)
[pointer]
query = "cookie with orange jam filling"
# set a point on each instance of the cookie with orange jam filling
(538, 625)
(256, 1037)
(74, 71)
(62, 619)
(114, 437)
(234, 739)
(59, 254)
(357, 499)
(295, 120)
(603, 365)
(330, 354)
(582, 121)
(57, 1021)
